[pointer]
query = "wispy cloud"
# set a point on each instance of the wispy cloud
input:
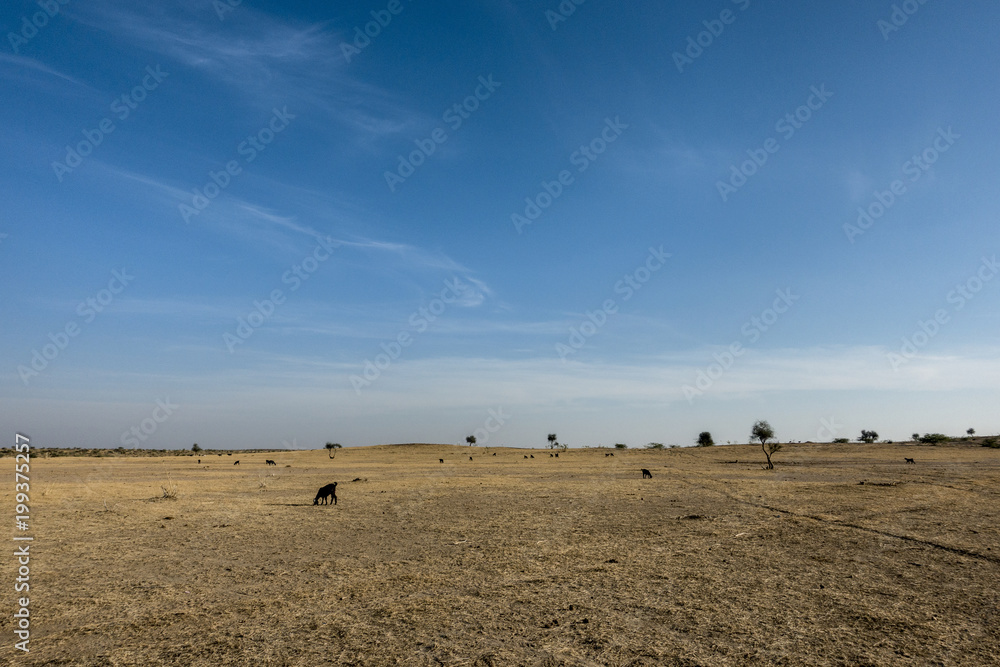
(14, 66)
(460, 381)
(287, 222)
(264, 60)
(855, 369)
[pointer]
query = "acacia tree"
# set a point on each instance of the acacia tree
(471, 440)
(971, 432)
(195, 448)
(331, 446)
(868, 436)
(705, 439)
(763, 432)
(552, 441)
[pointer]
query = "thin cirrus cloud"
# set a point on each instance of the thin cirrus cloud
(270, 62)
(15, 67)
(839, 369)
(254, 221)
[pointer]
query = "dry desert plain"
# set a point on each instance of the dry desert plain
(503, 560)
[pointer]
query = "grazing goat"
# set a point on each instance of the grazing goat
(525, 457)
(470, 458)
(441, 460)
(646, 473)
(494, 453)
(236, 463)
(909, 460)
(550, 456)
(270, 462)
(199, 460)
(326, 492)
(557, 456)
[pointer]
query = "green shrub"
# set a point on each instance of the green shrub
(992, 443)
(934, 438)
(841, 441)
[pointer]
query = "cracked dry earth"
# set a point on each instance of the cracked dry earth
(507, 561)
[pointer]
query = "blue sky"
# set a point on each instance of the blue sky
(630, 225)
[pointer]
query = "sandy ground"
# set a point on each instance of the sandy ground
(503, 560)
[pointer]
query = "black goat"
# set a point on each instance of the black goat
(326, 492)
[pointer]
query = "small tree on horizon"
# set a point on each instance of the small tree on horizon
(195, 448)
(621, 445)
(552, 441)
(971, 432)
(868, 437)
(763, 432)
(705, 439)
(331, 446)
(915, 436)
(471, 440)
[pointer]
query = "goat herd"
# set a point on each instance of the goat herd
(329, 491)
